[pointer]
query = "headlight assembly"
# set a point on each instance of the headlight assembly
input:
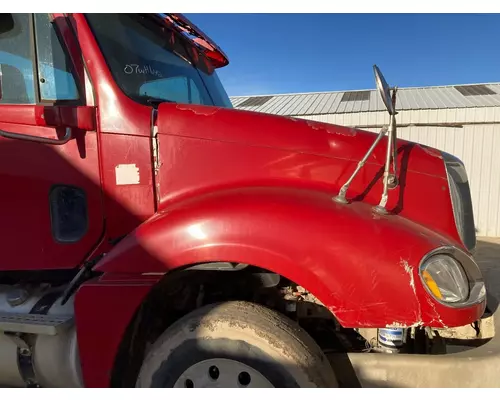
(445, 279)
(452, 277)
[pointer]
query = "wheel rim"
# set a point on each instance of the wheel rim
(221, 373)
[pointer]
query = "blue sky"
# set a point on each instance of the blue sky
(287, 53)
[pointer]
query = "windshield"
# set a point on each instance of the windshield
(151, 62)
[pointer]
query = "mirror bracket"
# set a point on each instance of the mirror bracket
(390, 180)
(341, 197)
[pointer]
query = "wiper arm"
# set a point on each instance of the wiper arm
(154, 101)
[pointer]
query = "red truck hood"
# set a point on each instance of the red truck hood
(205, 149)
(286, 133)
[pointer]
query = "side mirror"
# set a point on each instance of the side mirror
(390, 180)
(384, 90)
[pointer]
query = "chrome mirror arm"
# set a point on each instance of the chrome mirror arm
(390, 140)
(394, 183)
(341, 197)
(394, 139)
(390, 180)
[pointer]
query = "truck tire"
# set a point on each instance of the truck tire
(235, 344)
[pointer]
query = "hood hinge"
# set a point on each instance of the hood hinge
(155, 156)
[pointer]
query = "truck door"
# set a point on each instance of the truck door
(50, 199)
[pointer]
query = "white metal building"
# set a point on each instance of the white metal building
(462, 120)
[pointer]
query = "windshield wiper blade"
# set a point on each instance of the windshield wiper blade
(154, 101)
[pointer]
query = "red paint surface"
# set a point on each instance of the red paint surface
(257, 189)
(126, 205)
(28, 172)
(203, 149)
(306, 237)
(102, 313)
(117, 112)
(299, 234)
(231, 185)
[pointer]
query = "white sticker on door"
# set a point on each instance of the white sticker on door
(127, 174)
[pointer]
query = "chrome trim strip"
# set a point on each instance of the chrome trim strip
(458, 180)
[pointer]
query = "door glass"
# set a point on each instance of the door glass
(15, 60)
(55, 77)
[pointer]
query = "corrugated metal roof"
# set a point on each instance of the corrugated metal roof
(423, 98)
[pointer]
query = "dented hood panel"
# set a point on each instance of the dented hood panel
(204, 149)
(286, 133)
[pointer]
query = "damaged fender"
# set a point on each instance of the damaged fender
(362, 266)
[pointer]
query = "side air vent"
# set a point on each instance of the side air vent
(68, 213)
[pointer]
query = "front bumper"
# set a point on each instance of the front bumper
(478, 367)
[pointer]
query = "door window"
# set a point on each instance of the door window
(15, 60)
(55, 81)
(55, 77)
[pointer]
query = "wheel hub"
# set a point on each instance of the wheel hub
(221, 373)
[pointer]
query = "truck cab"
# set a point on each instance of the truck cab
(153, 236)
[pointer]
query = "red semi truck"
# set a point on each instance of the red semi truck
(152, 235)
